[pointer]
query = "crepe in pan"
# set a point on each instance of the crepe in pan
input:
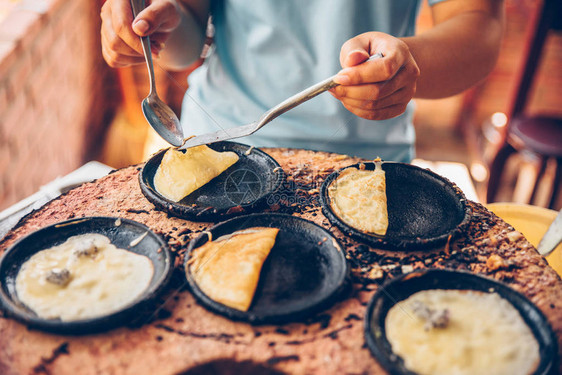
(358, 198)
(227, 270)
(181, 173)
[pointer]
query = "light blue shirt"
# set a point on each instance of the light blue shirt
(266, 51)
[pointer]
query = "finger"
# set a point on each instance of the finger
(405, 77)
(115, 60)
(113, 42)
(161, 16)
(403, 95)
(373, 91)
(122, 53)
(356, 57)
(354, 49)
(381, 114)
(395, 55)
(121, 19)
(376, 70)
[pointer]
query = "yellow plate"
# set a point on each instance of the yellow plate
(533, 222)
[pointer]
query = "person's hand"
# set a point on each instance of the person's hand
(379, 89)
(121, 45)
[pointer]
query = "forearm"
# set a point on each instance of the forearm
(456, 53)
(185, 43)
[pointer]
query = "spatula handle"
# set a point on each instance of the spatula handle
(303, 96)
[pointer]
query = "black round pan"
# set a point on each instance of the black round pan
(241, 189)
(121, 232)
(424, 209)
(402, 287)
(305, 271)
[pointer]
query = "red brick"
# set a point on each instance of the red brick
(23, 145)
(11, 116)
(36, 6)
(5, 159)
(3, 96)
(20, 26)
(21, 180)
(55, 5)
(9, 199)
(41, 46)
(41, 86)
(49, 111)
(46, 132)
(4, 186)
(7, 56)
(29, 121)
(66, 18)
(19, 74)
(5, 193)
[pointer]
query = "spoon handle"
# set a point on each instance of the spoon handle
(138, 6)
(302, 97)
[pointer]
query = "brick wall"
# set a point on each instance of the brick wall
(56, 93)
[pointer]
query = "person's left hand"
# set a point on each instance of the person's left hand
(379, 89)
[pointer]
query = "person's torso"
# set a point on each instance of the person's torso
(265, 51)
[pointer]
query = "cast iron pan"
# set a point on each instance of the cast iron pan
(404, 286)
(240, 189)
(120, 235)
(423, 208)
(304, 272)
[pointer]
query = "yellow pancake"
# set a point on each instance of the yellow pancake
(228, 269)
(181, 173)
(358, 198)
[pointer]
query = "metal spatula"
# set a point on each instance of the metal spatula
(552, 237)
(286, 105)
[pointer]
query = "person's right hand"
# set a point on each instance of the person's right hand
(121, 45)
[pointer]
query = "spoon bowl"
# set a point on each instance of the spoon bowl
(162, 119)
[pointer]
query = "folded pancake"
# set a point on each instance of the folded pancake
(181, 173)
(358, 198)
(227, 270)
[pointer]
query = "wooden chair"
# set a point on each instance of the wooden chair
(541, 134)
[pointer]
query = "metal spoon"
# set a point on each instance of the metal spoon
(157, 113)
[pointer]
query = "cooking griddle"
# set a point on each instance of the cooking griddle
(241, 189)
(404, 286)
(424, 209)
(121, 233)
(305, 271)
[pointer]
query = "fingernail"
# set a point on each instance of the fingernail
(141, 27)
(360, 51)
(342, 79)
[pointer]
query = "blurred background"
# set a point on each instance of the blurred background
(61, 106)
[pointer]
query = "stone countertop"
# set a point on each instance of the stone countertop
(176, 335)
